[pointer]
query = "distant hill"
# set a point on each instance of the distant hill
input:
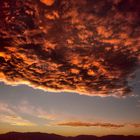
(45, 136)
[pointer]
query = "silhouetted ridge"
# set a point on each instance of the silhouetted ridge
(45, 136)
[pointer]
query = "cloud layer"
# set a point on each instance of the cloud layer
(88, 47)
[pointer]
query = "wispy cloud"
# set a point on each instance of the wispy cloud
(27, 108)
(14, 112)
(15, 120)
(4, 108)
(8, 115)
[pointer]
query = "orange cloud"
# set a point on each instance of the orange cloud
(48, 2)
(90, 124)
(97, 124)
(136, 125)
(87, 47)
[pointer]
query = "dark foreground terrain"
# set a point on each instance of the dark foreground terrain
(45, 136)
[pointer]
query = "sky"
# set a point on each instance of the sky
(70, 67)
(23, 109)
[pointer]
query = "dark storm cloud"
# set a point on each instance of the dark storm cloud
(89, 47)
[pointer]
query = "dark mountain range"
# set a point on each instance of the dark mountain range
(45, 136)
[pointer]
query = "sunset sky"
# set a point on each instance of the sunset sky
(24, 109)
(70, 67)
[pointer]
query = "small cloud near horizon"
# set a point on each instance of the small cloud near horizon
(98, 124)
